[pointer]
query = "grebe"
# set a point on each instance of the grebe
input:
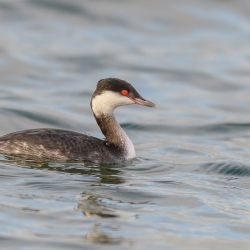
(63, 145)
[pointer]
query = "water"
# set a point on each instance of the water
(189, 187)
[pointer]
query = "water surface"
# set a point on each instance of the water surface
(189, 187)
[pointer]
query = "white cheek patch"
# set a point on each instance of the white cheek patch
(105, 103)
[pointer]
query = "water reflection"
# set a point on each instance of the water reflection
(190, 185)
(101, 238)
(227, 168)
(93, 206)
(107, 174)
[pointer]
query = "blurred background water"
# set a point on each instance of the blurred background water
(189, 187)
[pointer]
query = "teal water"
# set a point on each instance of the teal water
(189, 187)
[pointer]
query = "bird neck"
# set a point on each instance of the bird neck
(115, 134)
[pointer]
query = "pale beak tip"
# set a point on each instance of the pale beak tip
(152, 105)
(144, 102)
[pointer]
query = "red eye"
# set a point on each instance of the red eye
(124, 92)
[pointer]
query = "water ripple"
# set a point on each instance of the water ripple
(189, 185)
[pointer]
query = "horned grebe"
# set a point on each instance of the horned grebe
(63, 145)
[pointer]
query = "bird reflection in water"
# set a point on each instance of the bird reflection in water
(108, 174)
(90, 205)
